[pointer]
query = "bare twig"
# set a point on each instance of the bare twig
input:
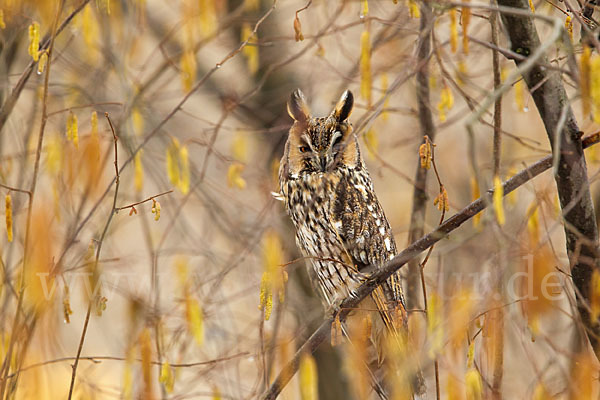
(113, 211)
(144, 201)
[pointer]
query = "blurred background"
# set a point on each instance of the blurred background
(199, 291)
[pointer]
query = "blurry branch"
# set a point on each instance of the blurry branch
(415, 274)
(15, 327)
(570, 172)
(427, 129)
(498, 366)
(95, 300)
(381, 275)
(104, 103)
(14, 189)
(99, 359)
(10, 102)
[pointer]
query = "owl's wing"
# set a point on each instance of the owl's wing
(365, 231)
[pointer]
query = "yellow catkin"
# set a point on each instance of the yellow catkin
(139, 172)
(216, 395)
(446, 102)
(531, 6)
(208, 17)
(250, 51)
(584, 77)
(188, 67)
(413, 9)
(595, 86)
(533, 224)
(90, 30)
(251, 5)
(475, 194)
(365, 66)
(372, 142)
(234, 176)
(137, 120)
(453, 30)
(146, 355)
(309, 389)
(195, 319)
(184, 169)
(497, 200)
(156, 209)
(274, 277)
(425, 154)
(172, 162)
(34, 41)
(94, 124)
(540, 393)
(67, 311)
(9, 217)
(435, 332)
(520, 95)
(473, 385)
(441, 201)
(239, 147)
(466, 19)
(595, 295)
(73, 129)
(167, 378)
(569, 26)
(42, 62)
(298, 29)
(2, 23)
(364, 8)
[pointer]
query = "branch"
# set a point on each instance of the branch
(570, 172)
(413, 250)
(113, 211)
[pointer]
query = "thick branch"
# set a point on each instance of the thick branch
(406, 255)
(427, 128)
(571, 171)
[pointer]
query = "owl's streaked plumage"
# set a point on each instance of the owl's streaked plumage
(340, 225)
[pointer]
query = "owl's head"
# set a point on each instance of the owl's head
(322, 144)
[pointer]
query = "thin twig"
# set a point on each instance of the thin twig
(113, 211)
(144, 201)
(98, 359)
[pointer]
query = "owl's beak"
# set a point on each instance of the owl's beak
(323, 163)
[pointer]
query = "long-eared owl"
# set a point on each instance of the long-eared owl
(340, 225)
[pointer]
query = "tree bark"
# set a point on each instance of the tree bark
(426, 127)
(570, 172)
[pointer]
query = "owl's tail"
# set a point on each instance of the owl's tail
(395, 351)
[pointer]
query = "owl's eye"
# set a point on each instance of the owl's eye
(303, 149)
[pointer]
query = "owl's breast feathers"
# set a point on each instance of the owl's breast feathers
(342, 228)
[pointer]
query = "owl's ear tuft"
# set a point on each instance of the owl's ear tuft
(297, 107)
(343, 108)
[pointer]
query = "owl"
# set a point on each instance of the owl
(341, 228)
(340, 225)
